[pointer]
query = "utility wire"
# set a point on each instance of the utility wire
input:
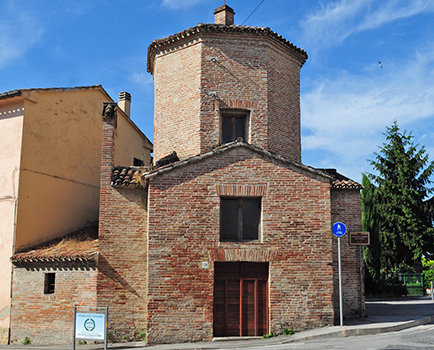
(253, 12)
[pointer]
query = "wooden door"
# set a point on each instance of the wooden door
(240, 299)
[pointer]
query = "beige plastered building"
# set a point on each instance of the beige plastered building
(50, 164)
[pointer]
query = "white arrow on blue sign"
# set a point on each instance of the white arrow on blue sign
(339, 229)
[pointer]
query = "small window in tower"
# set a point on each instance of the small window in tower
(234, 125)
(240, 219)
(49, 283)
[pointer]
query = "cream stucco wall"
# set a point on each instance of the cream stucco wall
(61, 161)
(59, 185)
(130, 143)
(11, 122)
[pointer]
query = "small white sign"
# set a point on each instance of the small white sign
(90, 326)
(205, 264)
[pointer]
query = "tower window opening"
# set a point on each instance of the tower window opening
(234, 125)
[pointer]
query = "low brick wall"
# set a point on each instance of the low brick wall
(48, 318)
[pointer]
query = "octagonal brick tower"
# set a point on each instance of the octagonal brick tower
(217, 82)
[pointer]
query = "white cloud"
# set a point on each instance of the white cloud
(18, 32)
(346, 116)
(333, 23)
(176, 4)
(141, 78)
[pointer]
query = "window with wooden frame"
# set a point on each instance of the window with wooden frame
(49, 283)
(240, 219)
(234, 124)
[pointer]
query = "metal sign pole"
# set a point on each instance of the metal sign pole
(106, 326)
(73, 329)
(339, 229)
(340, 283)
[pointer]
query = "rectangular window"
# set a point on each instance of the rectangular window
(49, 283)
(138, 162)
(240, 219)
(234, 125)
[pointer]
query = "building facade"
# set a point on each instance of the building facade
(228, 234)
(233, 232)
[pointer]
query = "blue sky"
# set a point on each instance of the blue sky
(348, 98)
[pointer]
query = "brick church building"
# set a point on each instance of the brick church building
(228, 234)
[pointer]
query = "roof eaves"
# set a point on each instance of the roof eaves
(341, 181)
(9, 94)
(73, 88)
(218, 28)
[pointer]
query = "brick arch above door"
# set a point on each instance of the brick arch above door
(243, 254)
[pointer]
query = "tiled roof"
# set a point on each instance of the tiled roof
(224, 148)
(134, 177)
(81, 246)
(127, 176)
(342, 182)
(218, 28)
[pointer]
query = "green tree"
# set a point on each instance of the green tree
(403, 183)
(371, 223)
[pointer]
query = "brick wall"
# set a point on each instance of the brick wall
(183, 226)
(177, 101)
(48, 318)
(195, 79)
(346, 208)
(122, 275)
(284, 135)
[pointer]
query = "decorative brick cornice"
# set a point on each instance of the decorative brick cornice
(189, 34)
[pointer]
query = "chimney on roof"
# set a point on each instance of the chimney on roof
(224, 15)
(125, 102)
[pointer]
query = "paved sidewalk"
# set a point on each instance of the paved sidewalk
(382, 317)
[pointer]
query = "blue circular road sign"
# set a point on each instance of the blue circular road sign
(339, 229)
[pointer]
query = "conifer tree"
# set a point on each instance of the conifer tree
(403, 183)
(371, 223)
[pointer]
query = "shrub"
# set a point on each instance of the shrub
(271, 335)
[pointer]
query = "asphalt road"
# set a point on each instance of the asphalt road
(418, 338)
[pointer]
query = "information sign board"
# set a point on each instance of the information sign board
(90, 326)
(359, 238)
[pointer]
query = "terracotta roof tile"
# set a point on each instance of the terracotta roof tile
(127, 176)
(223, 148)
(81, 246)
(342, 182)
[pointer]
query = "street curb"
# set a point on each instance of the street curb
(351, 332)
